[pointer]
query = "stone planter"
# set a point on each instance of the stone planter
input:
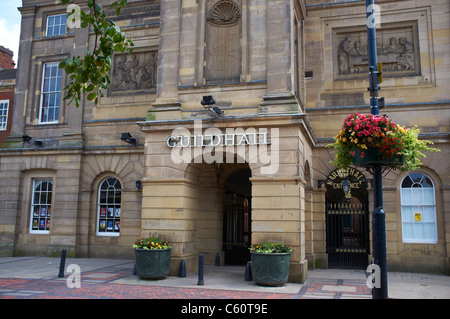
(372, 158)
(270, 269)
(152, 263)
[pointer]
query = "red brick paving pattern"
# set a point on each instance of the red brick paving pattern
(59, 290)
(95, 288)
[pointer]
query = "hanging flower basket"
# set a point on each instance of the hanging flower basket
(373, 157)
(368, 140)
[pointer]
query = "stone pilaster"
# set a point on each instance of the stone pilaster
(168, 58)
(279, 97)
(15, 140)
(278, 215)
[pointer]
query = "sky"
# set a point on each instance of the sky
(10, 25)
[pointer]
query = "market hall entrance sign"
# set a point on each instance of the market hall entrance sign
(347, 219)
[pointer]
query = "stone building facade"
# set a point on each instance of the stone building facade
(212, 178)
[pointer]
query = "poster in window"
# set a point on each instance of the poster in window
(117, 212)
(43, 211)
(35, 223)
(110, 225)
(41, 224)
(102, 225)
(48, 211)
(102, 211)
(117, 225)
(110, 212)
(36, 212)
(47, 227)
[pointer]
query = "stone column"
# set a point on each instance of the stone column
(169, 210)
(319, 258)
(74, 115)
(188, 42)
(257, 40)
(278, 215)
(168, 59)
(279, 97)
(15, 140)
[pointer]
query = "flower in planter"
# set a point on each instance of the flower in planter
(270, 248)
(151, 243)
(361, 133)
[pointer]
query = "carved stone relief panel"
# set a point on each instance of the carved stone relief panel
(134, 72)
(397, 49)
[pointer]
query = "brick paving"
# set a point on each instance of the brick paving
(54, 289)
(37, 278)
(103, 287)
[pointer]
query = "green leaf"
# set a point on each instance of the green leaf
(91, 96)
(65, 62)
(90, 88)
(90, 73)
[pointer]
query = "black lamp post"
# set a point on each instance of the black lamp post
(378, 216)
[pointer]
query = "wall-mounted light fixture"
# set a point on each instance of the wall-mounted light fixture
(208, 103)
(126, 137)
(27, 139)
(208, 100)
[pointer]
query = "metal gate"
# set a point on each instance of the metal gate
(236, 229)
(347, 234)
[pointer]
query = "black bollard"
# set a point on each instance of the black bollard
(200, 270)
(62, 264)
(182, 273)
(217, 260)
(248, 272)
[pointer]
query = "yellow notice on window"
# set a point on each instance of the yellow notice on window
(418, 217)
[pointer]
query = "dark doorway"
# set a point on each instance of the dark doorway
(347, 219)
(237, 218)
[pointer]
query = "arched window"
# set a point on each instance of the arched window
(41, 205)
(109, 207)
(419, 224)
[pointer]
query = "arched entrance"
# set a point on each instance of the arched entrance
(347, 219)
(237, 217)
(220, 211)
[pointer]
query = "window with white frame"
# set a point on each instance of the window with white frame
(50, 93)
(56, 24)
(418, 205)
(4, 106)
(41, 205)
(109, 207)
